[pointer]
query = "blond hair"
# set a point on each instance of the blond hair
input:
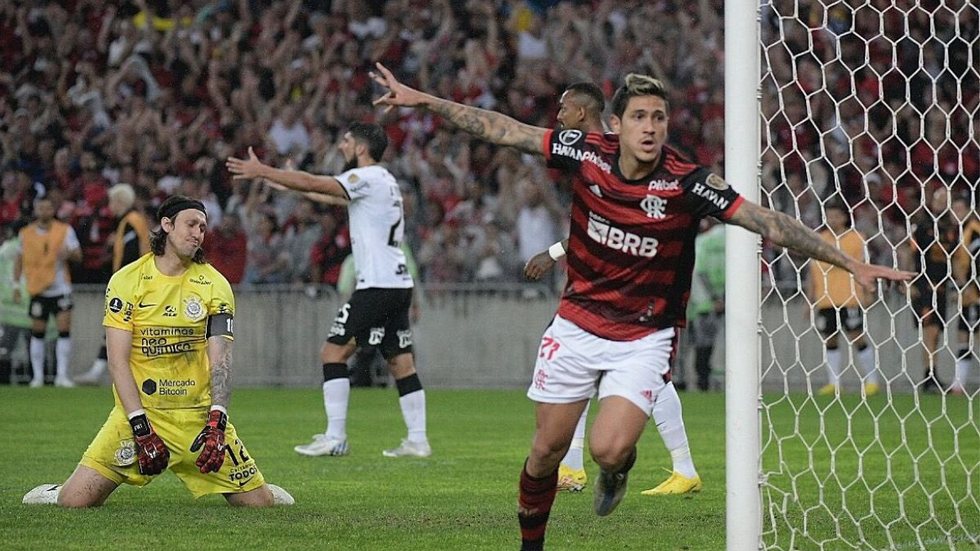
(636, 85)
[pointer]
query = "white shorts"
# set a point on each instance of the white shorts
(572, 363)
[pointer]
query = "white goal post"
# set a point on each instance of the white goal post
(743, 507)
(816, 113)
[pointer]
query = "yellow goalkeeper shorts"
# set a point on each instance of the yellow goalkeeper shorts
(113, 453)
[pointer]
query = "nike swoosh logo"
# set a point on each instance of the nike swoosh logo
(141, 305)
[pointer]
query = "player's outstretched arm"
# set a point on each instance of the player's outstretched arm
(298, 180)
(790, 233)
(489, 125)
(314, 196)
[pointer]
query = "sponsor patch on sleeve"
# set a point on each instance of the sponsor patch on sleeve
(716, 182)
(570, 136)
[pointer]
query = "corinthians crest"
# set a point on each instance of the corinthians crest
(193, 309)
(126, 453)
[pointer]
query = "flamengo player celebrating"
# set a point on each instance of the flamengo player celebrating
(635, 213)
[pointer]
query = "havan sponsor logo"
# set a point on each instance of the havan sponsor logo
(580, 155)
(714, 197)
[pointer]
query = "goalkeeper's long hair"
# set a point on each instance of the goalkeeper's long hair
(637, 85)
(170, 207)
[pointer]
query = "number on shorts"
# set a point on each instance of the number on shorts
(548, 348)
(343, 313)
(241, 453)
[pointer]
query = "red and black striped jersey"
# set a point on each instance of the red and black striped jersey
(631, 243)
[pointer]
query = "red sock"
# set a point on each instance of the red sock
(534, 506)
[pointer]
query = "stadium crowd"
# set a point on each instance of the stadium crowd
(157, 93)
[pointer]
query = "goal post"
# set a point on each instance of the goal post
(743, 499)
(873, 105)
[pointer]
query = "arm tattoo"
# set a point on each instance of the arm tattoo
(491, 126)
(790, 233)
(221, 372)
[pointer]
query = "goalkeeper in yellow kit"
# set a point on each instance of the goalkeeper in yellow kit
(169, 332)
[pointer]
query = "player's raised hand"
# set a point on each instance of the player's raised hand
(867, 275)
(538, 265)
(245, 168)
(398, 94)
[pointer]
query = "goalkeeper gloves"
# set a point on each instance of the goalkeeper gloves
(212, 439)
(151, 452)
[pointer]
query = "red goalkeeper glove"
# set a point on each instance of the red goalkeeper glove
(151, 452)
(212, 439)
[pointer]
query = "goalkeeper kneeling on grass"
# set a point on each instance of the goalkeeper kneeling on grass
(169, 331)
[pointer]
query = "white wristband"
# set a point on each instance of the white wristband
(219, 408)
(136, 413)
(556, 251)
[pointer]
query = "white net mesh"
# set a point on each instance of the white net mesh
(873, 106)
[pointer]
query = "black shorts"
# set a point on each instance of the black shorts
(375, 317)
(970, 318)
(924, 313)
(832, 320)
(42, 308)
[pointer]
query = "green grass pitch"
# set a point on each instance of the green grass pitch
(463, 497)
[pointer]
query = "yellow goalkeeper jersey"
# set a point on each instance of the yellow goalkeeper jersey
(168, 318)
(833, 286)
(966, 262)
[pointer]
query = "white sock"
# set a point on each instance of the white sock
(62, 354)
(413, 411)
(834, 358)
(37, 358)
(670, 422)
(866, 358)
(962, 371)
(336, 396)
(574, 458)
(98, 368)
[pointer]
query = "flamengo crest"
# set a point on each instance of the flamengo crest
(654, 206)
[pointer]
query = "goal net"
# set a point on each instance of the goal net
(871, 107)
